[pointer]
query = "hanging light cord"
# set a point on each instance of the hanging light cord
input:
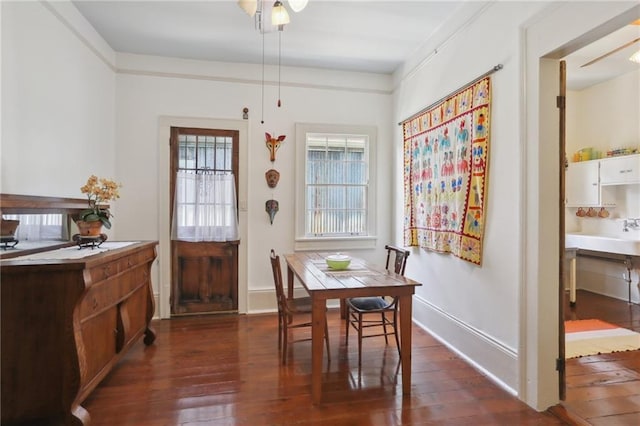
(262, 118)
(279, 56)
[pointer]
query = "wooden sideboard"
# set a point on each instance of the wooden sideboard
(64, 325)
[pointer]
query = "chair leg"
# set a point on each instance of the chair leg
(395, 331)
(279, 331)
(359, 341)
(348, 323)
(285, 337)
(384, 327)
(326, 338)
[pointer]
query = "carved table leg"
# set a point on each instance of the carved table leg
(149, 336)
(79, 416)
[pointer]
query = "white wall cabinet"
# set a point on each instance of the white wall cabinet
(620, 170)
(583, 186)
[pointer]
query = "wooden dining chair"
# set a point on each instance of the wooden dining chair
(375, 309)
(292, 313)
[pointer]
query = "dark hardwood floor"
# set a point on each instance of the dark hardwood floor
(225, 370)
(604, 389)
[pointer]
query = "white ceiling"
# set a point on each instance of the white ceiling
(616, 64)
(355, 35)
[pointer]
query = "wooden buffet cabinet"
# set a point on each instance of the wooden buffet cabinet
(65, 323)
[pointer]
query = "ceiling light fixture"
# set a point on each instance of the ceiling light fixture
(249, 6)
(279, 15)
(279, 18)
(298, 5)
(635, 57)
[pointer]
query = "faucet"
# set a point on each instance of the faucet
(630, 223)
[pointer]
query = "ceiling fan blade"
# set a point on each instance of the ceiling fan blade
(611, 53)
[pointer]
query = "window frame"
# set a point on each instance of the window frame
(343, 242)
(177, 164)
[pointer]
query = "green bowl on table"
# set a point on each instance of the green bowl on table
(338, 261)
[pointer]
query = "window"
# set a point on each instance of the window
(336, 189)
(205, 185)
(36, 227)
(337, 185)
(205, 154)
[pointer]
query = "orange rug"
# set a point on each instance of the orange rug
(592, 336)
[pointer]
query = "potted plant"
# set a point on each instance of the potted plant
(99, 191)
(8, 228)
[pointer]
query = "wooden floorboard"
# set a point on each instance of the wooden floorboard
(225, 370)
(604, 389)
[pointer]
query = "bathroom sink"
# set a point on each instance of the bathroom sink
(629, 245)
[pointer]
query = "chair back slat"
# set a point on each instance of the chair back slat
(400, 258)
(277, 279)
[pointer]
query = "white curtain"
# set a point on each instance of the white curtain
(37, 227)
(205, 208)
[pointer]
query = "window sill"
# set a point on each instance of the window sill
(329, 244)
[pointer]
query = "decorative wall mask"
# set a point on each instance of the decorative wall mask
(273, 176)
(271, 207)
(273, 144)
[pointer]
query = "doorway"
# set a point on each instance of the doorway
(596, 385)
(539, 299)
(203, 212)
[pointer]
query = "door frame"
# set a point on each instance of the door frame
(184, 250)
(164, 247)
(538, 304)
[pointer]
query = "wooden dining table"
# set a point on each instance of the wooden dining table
(360, 279)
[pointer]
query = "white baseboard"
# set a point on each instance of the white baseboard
(260, 301)
(156, 313)
(497, 361)
(263, 301)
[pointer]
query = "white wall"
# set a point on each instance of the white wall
(606, 115)
(502, 315)
(475, 308)
(58, 99)
(150, 87)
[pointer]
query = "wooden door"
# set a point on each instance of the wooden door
(563, 163)
(204, 274)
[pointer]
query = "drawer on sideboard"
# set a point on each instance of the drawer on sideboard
(109, 292)
(117, 266)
